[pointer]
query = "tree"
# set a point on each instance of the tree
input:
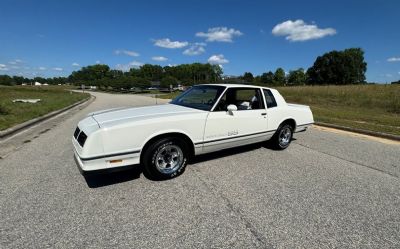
(297, 77)
(395, 82)
(18, 80)
(216, 72)
(6, 80)
(279, 76)
(339, 67)
(40, 80)
(90, 74)
(151, 72)
(167, 81)
(248, 77)
(142, 83)
(267, 78)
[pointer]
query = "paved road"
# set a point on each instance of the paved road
(326, 190)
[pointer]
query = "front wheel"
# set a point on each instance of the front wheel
(165, 158)
(282, 137)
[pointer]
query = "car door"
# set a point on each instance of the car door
(248, 124)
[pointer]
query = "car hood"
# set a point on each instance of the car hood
(121, 115)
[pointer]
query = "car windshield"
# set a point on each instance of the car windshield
(201, 97)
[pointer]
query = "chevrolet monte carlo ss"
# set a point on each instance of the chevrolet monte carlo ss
(203, 119)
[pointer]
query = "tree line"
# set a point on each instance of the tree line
(335, 67)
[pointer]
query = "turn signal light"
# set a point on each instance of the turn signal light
(116, 161)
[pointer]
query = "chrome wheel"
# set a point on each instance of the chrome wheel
(168, 159)
(285, 135)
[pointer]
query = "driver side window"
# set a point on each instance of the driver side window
(243, 98)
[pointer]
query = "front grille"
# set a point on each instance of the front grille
(82, 138)
(76, 133)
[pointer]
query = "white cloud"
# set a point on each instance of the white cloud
(167, 43)
(98, 62)
(172, 65)
(57, 69)
(2, 65)
(42, 68)
(217, 59)
(4, 69)
(220, 34)
(195, 49)
(393, 59)
(127, 52)
(14, 62)
(388, 75)
(136, 63)
(300, 31)
(159, 58)
(75, 64)
(126, 67)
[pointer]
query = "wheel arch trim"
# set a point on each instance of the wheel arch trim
(169, 133)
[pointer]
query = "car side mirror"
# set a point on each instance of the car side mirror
(231, 109)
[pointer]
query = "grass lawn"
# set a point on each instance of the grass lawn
(369, 107)
(52, 98)
(171, 95)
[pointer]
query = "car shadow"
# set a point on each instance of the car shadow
(102, 180)
(232, 151)
(226, 153)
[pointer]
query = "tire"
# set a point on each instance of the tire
(166, 158)
(282, 138)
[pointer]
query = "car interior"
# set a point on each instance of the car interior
(244, 99)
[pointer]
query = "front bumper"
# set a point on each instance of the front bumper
(79, 164)
(105, 164)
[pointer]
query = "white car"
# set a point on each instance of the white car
(203, 119)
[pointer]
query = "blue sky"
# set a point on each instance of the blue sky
(53, 38)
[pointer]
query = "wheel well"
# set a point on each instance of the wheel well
(171, 134)
(290, 122)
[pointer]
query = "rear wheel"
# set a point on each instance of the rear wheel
(165, 158)
(282, 137)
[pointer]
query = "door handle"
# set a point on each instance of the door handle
(264, 113)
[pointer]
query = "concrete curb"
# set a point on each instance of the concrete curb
(361, 131)
(29, 123)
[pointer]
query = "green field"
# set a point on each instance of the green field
(52, 98)
(369, 107)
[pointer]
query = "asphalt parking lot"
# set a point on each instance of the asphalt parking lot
(326, 190)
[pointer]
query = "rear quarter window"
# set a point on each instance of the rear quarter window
(269, 98)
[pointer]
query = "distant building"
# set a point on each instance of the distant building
(179, 88)
(232, 79)
(38, 83)
(226, 77)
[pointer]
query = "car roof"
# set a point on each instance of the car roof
(234, 85)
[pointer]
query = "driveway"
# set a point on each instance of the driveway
(326, 190)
